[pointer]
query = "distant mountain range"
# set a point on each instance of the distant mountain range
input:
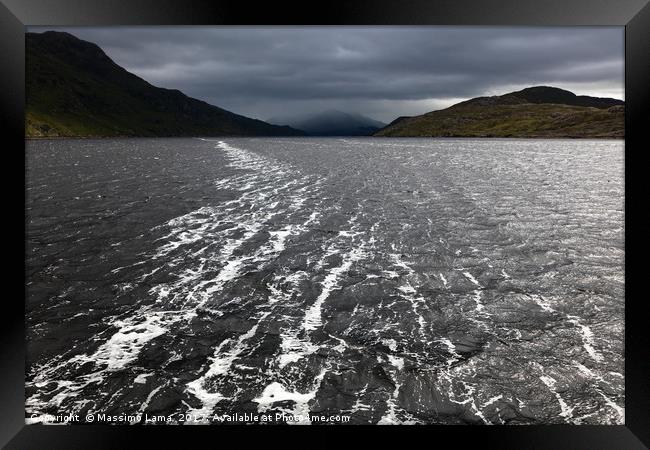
(74, 89)
(539, 111)
(331, 123)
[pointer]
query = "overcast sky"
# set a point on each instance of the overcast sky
(381, 72)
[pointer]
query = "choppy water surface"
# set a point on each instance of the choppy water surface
(389, 281)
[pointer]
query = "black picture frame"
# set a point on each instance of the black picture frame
(634, 15)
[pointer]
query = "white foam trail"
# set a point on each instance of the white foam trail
(471, 278)
(313, 318)
(492, 400)
(293, 347)
(358, 406)
(620, 411)
(587, 338)
(142, 378)
(120, 350)
(220, 365)
(586, 334)
(408, 292)
(390, 343)
(451, 348)
(192, 290)
(223, 359)
(396, 361)
(550, 382)
(124, 346)
(296, 343)
(390, 416)
(275, 392)
(150, 397)
(542, 303)
(470, 400)
(477, 292)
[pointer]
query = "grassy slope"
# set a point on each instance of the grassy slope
(513, 120)
(74, 89)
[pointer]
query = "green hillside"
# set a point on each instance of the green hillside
(542, 112)
(74, 89)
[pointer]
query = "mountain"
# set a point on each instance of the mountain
(539, 111)
(331, 123)
(74, 89)
(546, 94)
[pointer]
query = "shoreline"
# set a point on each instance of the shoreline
(586, 138)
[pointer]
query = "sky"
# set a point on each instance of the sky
(380, 72)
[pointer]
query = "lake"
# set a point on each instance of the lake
(435, 281)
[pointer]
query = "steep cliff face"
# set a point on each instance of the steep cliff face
(75, 89)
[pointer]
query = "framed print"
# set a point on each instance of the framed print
(352, 215)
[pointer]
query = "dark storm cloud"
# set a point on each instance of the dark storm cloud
(380, 71)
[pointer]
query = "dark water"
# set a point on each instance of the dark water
(383, 280)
